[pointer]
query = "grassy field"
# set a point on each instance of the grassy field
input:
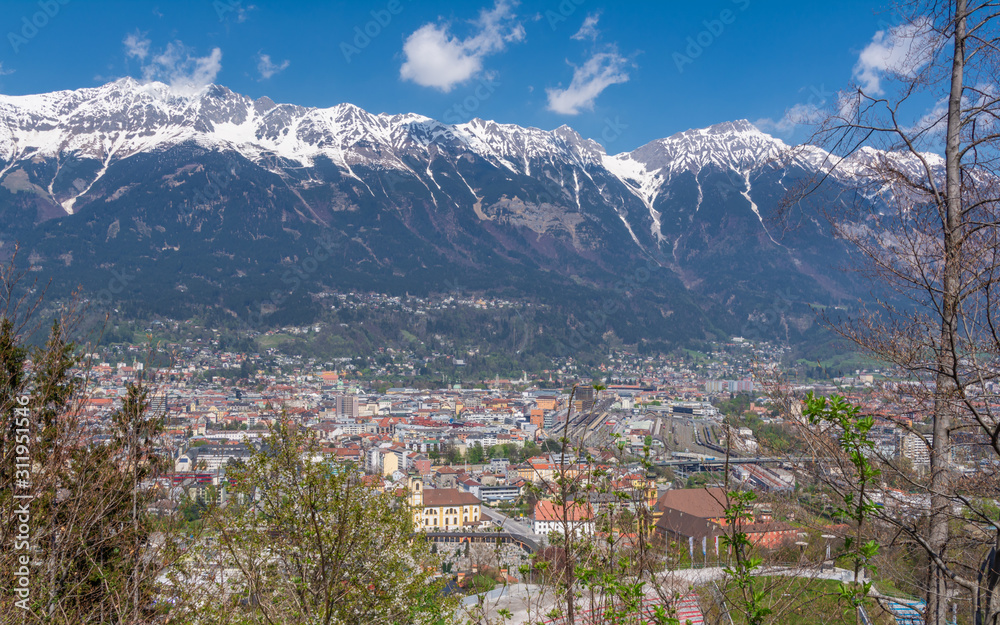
(273, 340)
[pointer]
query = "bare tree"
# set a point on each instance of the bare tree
(927, 227)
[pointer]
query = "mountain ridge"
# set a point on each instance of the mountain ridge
(213, 194)
(261, 128)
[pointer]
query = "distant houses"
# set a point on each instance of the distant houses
(549, 517)
(698, 515)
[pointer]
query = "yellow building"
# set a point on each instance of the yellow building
(390, 463)
(543, 471)
(525, 472)
(443, 509)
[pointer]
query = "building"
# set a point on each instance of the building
(445, 509)
(683, 528)
(732, 386)
(348, 406)
(584, 398)
(706, 504)
(546, 402)
(212, 457)
(385, 461)
(499, 492)
(915, 448)
(159, 405)
(549, 419)
(548, 517)
(697, 515)
(538, 418)
(770, 535)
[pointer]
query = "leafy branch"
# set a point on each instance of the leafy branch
(854, 430)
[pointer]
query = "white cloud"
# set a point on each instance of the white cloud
(934, 122)
(232, 9)
(268, 68)
(136, 45)
(901, 51)
(242, 13)
(589, 28)
(600, 72)
(178, 67)
(799, 115)
(848, 105)
(436, 58)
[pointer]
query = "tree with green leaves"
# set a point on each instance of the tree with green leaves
(853, 431)
(602, 565)
(302, 538)
(476, 454)
(744, 561)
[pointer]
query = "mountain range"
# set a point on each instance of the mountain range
(213, 199)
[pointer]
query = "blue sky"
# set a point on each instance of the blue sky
(621, 73)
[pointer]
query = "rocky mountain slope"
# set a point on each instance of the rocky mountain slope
(217, 199)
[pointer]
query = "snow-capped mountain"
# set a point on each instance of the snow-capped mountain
(119, 120)
(168, 178)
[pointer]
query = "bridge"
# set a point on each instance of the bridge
(492, 538)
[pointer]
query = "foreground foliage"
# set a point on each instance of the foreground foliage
(72, 513)
(303, 539)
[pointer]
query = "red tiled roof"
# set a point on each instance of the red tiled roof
(548, 511)
(438, 497)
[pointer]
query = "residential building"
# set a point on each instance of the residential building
(549, 517)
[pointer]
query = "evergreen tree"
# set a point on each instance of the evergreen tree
(89, 536)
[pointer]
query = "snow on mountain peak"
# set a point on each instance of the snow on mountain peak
(737, 145)
(126, 117)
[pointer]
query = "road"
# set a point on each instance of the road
(510, 525)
